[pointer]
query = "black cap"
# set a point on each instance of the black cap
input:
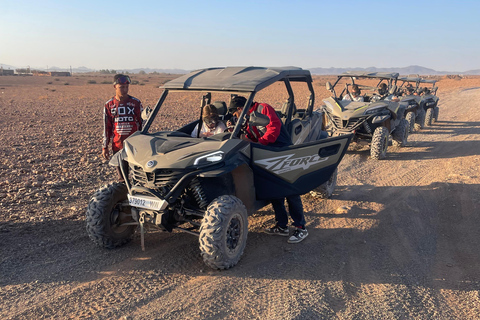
(237, 102)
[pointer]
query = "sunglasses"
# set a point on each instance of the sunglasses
(123, 80)
(209, 120)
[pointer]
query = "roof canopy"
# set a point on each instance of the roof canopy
(428, 81)
(247, 79)
(410, 79)
(359, 74)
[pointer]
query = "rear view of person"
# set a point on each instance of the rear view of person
(274, 134)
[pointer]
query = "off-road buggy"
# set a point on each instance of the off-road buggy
(428, 100)
(208, 186)
(407, 88)
(371, 120)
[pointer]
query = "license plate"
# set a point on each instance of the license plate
(147, 202)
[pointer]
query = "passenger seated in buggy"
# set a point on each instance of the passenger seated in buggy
(382, 92)
(408, 91)
(211, 123)
(355, 94)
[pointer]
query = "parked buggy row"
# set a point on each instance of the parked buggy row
(207, 186)
(375, 106)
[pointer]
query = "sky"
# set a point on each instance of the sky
(441, 35)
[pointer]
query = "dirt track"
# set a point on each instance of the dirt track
(399, 239)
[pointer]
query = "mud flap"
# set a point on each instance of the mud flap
(293, 170)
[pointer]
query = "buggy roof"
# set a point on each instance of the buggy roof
(428, 81)
(247, 79)
(410, 79)
(382, 75)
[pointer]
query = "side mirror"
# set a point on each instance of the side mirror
(393, 89)
(146, 113)
(328, 85)
(258, 119)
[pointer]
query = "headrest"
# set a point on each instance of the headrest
(221, 107)
(285, 109)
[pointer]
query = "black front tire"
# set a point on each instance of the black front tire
(400, 134)
(325, 191)
(420, 119)
(106, 212)
(223, 232)
(378, 148)
(435, 114)
(411, 121)
(429, 117)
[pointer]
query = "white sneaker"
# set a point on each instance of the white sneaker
(298, 235)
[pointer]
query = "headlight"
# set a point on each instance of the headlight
(374, 110)
(209, 158)
(328, 107)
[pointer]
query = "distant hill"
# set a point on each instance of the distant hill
(316, 71)
(403, 71)
(86, 70)
(137, 70)
(7, 67)
(473, 72)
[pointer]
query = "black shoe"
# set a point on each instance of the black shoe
(277, 230)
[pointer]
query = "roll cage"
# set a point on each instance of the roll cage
(415, 81)
(239, 80)
(388, 78)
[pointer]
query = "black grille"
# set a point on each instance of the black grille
(162, 180)
(349, 124)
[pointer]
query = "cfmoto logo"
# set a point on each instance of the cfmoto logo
(151, 163)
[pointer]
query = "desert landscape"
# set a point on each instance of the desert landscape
(398, 239)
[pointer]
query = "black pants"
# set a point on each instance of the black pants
(295, 207)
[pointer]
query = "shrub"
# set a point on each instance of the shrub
(66, 83)
(91, 82)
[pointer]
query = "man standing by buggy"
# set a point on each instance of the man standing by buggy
(274, 134)
(121, 117)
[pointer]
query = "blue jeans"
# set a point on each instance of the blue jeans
(295, 207)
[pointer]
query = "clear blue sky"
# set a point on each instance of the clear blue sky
(442, 35)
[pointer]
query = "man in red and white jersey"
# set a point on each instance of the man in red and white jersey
(121, 117)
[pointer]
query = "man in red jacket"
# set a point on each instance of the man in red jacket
(121, 117)
(274, 134)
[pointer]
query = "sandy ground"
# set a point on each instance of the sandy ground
(398, 240)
